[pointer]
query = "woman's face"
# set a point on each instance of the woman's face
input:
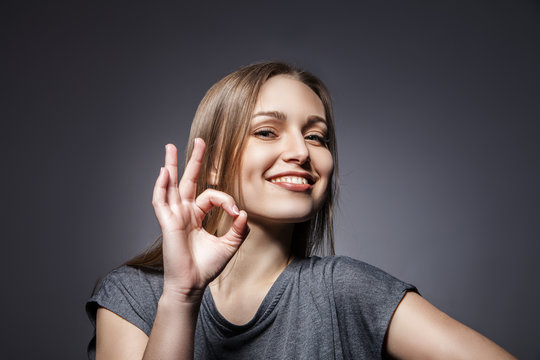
(286, 166)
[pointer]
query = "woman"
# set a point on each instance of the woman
(231, 283)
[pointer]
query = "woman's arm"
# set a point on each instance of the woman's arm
(171, 337)
(192, 258)
(117, 338)
(418, 330)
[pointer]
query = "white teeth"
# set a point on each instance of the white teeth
(290, 179)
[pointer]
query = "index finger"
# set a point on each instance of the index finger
(188, 183)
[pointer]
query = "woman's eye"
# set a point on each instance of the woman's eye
(265, 134)
(317, 138)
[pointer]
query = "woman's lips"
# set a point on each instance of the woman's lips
(292, 183)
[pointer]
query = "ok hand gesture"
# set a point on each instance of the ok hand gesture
(192, 257)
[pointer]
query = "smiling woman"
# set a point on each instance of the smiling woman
(286, 166)
(247, 284)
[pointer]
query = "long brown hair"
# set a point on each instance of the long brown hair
(222, 120)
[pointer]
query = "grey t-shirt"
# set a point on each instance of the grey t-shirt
(319, 308)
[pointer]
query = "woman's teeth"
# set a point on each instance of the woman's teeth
(290, 179)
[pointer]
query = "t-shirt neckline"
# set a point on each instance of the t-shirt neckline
(270, 300)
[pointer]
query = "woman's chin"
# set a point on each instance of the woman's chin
(280, 218)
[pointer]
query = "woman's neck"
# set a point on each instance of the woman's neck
(265, 253)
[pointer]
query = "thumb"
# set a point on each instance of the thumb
(238, 231)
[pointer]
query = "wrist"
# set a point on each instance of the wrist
(182, 297)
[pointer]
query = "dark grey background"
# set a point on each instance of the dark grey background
(437, 107)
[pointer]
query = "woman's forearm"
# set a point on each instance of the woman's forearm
(173, 332)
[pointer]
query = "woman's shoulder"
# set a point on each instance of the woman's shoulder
(131, 292)
(346, 273)
(133, 280)
(134, 274)
(363, 298)
(340, 265)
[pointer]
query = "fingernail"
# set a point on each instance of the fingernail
(161, 170)
(235, 210)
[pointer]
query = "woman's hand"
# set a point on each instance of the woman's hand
(192, 257)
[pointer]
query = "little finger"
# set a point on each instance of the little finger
(171, 164)
(159, 196)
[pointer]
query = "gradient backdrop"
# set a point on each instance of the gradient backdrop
(437, 106)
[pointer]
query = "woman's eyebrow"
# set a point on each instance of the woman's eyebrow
(275, 114)
(281, 116)
(316, 119)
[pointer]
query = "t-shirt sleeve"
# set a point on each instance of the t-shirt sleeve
(129, 292)
(366, 298)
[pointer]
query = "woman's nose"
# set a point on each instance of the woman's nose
(296, 149)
